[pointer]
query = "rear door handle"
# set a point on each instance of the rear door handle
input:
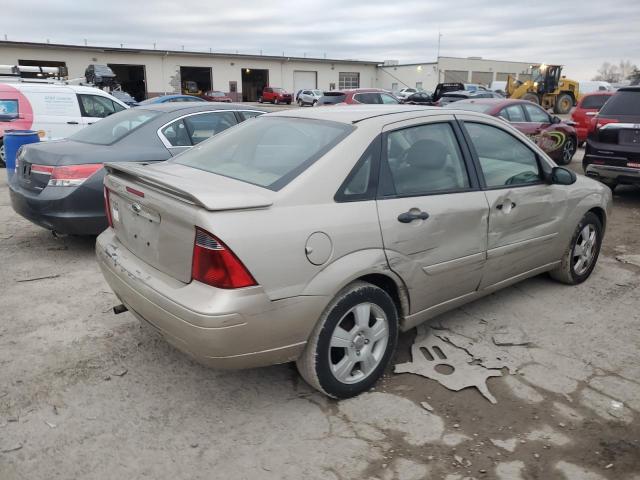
(411, 215)
(72, 123)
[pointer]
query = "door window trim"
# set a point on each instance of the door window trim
(374, 148)
(386, 178)
(543, 167)
(167, 143)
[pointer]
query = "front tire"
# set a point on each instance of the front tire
(352, 343)
(300, 104)
(259, 99)
(2, 155)
(563, 105)
(276, 101)
(568, 151)
(580, 258)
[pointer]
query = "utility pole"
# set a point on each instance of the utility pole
(438, 55)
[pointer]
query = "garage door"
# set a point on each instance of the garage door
(459, 76)
(304, 80)
(483, 78)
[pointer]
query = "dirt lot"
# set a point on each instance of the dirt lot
(86, 394)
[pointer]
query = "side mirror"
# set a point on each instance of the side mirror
(563, 176)
(556, 120)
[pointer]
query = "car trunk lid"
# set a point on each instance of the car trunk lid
(155, 209)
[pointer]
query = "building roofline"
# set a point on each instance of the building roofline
(408, 64)
(55, 46)
(488, 60)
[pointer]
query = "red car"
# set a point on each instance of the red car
(557, 138)
(216, 96)
(358, 95)
(275, 95)
(585, 110)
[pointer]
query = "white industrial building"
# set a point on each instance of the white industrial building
(146, 73)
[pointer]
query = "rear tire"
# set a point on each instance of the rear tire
(276, 101)
(2, 155)
(352, 342)
(563, 105)
(315, 103)
(580, 257)
(259, 99)
(300, 103)
(531, 97)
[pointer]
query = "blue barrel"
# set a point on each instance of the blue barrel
(13, 140)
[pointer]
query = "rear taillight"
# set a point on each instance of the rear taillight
(67, 175)
(601, 122)
(107, 206)
(216, 265)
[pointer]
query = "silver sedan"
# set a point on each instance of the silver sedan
(316, 235)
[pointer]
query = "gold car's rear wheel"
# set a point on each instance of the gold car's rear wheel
(352, 343)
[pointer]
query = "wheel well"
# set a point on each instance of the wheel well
(602, 216)
(400, 298)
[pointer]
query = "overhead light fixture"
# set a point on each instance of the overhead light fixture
(419, 68)
(247, 70)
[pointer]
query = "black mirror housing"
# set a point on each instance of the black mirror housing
(555, 120)
(563, 176)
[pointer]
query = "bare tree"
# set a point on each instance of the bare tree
(626, 68)
(608, 73)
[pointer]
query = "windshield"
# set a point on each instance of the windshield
(267, 151)
(472, 107)
(622, 103)
(113, 128)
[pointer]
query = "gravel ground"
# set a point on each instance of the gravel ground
(85, 394)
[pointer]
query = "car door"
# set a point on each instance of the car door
(525, 211)
(95, 107)
(184, 132)
(433, 216)
(55, 111)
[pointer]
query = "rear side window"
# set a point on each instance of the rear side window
(247, 115)
(205, 125)
(268, 151)
(595, 101)
(115, 127)
(333, 98)
(514, 113)
(367, 98)
(425, 159)
(623, 103)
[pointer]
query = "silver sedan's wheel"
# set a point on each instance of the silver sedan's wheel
(358, 342)
(2, 154)
(584, 249)
(352, 342)
(582, 253)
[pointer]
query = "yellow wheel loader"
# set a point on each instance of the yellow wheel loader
(546, 88)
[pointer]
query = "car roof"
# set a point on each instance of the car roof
(635, 88)
(196, 106)
(494, 101)
(350, 114)
(363, 90)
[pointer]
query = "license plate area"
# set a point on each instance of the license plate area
(137, 224)
(629, 137)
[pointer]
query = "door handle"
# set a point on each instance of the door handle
(72, 123)
(500, 206)
(411, 215)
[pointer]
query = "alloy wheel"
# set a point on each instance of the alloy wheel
(358, 343)
(568, 150)
(584, 249)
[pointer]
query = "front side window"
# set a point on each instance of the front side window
(504, 159)
(514, 113)
(267, 151)
(425, 159)
(388, 99)
(115, 127)
(536, 114)
(348, 80)
(96, 106)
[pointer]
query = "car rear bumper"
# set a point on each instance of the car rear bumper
(239, 328)
(618, 174)
(70, 210)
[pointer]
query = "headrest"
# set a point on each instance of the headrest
(427, 154)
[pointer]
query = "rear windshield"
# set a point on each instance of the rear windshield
(267, 151)
(114, 127)
(472, 107)
(333, 97)
(595, 101)
(623, 103)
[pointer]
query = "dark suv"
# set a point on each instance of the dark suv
(612, 154)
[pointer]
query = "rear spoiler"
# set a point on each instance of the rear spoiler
(208, 198)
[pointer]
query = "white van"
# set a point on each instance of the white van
(591, 86)
(54, 110)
